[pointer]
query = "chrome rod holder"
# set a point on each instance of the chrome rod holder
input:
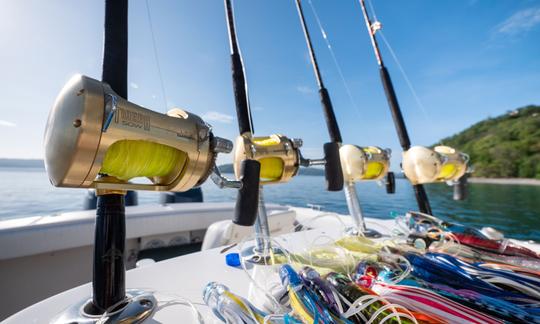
(262, 231)
(138, 306)
(353, 203)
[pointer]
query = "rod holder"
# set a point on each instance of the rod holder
(262, 230)
(355, 211)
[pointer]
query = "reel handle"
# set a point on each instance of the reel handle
(332, 168)
(390, 183)
(461, 191)
(247, 200)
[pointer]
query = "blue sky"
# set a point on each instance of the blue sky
(466, 59)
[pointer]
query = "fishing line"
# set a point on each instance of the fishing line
(275, 244)
(334, 59)
(400, 67)
(177, 300)
(156, 57)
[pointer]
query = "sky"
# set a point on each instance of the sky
(466, 59)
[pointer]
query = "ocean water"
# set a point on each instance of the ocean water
(512, 209)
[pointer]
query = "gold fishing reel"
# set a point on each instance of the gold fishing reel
(278, 155)
(92, 131)
(363, 163)
(442, 163)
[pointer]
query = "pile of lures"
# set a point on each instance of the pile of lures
(436, 272)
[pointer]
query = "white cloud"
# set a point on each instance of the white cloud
(7, 124)
(305, 89)
(521, 21)
(134, 85)
(217, 117)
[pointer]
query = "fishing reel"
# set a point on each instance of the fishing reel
(363, 164)
(440, 164)
(278, 155)
(92, 131)
(366, 163)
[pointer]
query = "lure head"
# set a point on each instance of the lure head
(289, 277)
(363, 163)
(313, 280)
(309, 274)
(442, 163)
(337, 279)
(211, 294)
(278, 155)
(365, 274)
(91, 130)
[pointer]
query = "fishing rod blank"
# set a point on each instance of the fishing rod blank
(333, 172)
(403, 135)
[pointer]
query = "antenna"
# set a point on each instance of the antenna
(395, 110)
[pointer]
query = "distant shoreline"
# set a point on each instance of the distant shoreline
(227, 168)
(507, 181)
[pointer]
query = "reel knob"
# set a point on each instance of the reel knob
(390, 183)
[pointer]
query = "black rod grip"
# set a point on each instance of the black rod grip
(332, 168)
(109, 272)
(247, 201)
(395, 110)
(390, 183)
(422, 199)
(115, 50)
(330, 116)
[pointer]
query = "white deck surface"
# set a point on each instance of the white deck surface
(184, 276)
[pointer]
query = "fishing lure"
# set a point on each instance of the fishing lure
(471, 254)
(444, 277)
(443, 268)
(504, 247)
(492, 306)
(231, 308)
(306, 304)
(321, 287)
(365, 306)
(425, 301)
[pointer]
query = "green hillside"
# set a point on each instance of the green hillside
(503, 147)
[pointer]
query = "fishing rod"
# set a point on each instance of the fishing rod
(420, 164)
(96, 138)
(357, 163)
(333, 172)
(249, 170)
(109, 283)
(275, 158)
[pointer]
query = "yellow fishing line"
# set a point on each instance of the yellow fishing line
(373, 170)
(127, 159)
(448, 170)
(359, 244)
(271, 168)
